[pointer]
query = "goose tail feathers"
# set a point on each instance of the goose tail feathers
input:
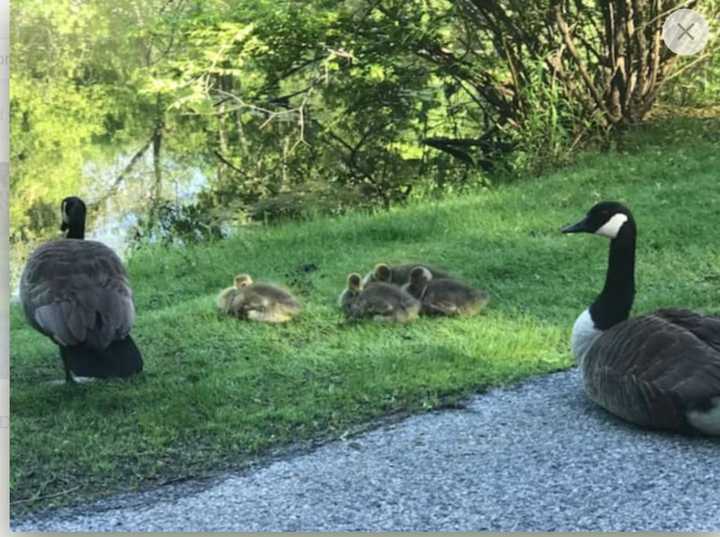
(121, 359)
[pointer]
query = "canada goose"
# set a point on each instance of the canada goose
(660, 370)
(378, 301)
(77, 293)
(258, 301)
(398, 274)
(444, 296)
(350, 293)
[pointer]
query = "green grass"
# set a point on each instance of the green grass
(217, 392)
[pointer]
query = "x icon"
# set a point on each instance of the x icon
(686, 31)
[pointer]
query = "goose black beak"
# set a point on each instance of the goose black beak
(581, 227)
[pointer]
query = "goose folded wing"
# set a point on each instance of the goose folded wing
(652, 370)
(704, 327)
(693, 363)
(81, 310)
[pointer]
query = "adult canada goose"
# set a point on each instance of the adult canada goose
(660, 370)
(378, 301)
(444, 296)
(398, 274)
(257, 301)
(77, 293)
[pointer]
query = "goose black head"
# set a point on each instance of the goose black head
(606, 218)
(73, 213)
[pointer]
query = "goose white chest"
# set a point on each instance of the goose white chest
(583, 336)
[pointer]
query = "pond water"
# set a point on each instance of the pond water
(113, 221)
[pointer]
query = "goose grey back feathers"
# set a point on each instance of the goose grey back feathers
(660, 370)
(76, 292)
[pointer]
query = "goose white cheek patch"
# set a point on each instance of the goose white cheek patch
(611, 228)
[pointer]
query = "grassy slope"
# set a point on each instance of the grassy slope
(217, 391)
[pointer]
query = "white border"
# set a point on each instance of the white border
(4, 268)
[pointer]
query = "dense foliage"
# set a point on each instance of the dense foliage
(295, 106)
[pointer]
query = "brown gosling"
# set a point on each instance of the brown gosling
(445, 296)
(257, 301)
(381, 302)
(350, 294)
(398, 274)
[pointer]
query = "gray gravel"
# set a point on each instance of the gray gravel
(537, 456)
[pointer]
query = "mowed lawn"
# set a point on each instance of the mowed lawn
(217, 392)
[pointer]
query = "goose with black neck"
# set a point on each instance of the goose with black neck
(77, 293)
(660, 370)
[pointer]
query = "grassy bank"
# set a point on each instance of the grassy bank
(216, 391)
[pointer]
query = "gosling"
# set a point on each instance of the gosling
(378, 301)
(350, 294)
(398, 274)
(444, 296)
(257, 301)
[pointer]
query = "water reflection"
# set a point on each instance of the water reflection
(117, 207)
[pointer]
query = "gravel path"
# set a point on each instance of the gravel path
(537, 456)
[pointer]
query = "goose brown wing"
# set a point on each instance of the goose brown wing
(705, 327)
(653, 369)
(694, 377)
(77, 292)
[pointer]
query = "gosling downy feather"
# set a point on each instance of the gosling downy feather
(444, 296)
(77, 293)
(383, 302)
(256, 301)
(398, 274)
(350, 294)
(660, 370)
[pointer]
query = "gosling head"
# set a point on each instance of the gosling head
(382, 273)
(243, 280)
(348, 298)
(352, 289)
(420, 276)
(418, 282)
(354, 282)
(607, 218)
